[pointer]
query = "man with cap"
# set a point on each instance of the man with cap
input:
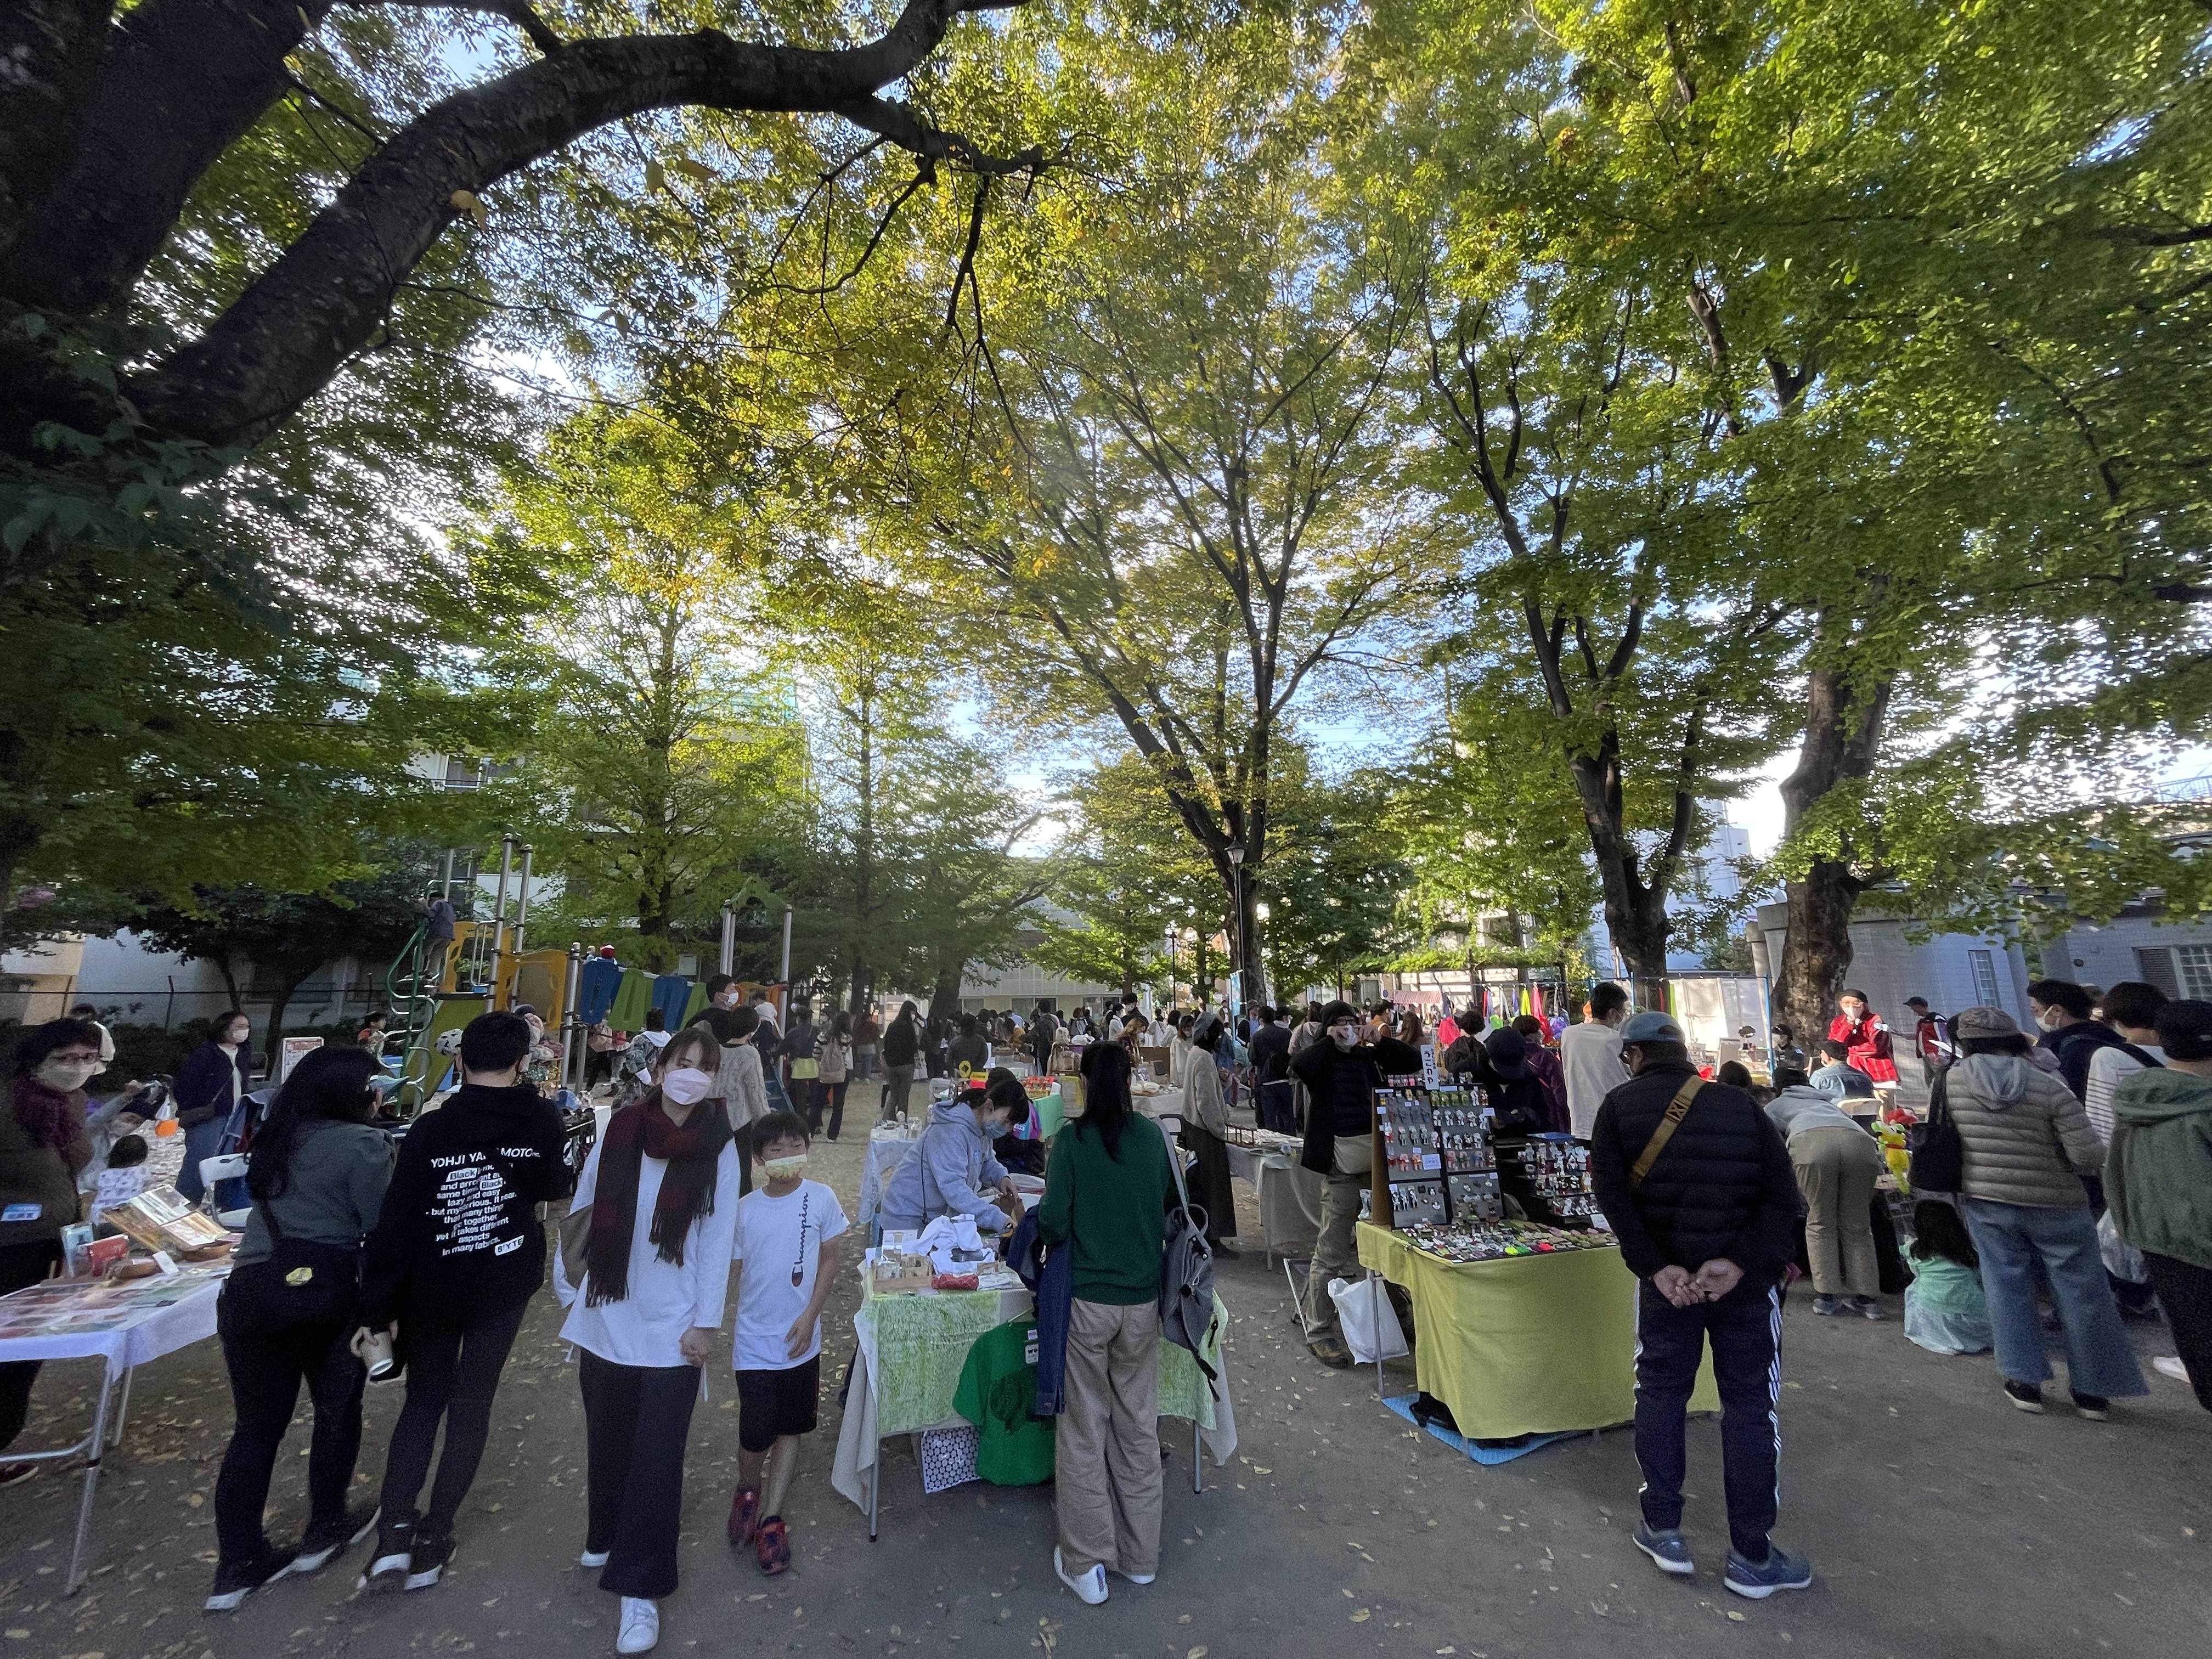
(1342, 1075)
(1697, 1184)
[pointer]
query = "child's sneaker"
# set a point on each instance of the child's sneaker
(744, 1517)
(772, 1545)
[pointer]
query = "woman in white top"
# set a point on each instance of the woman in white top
(661, 1186)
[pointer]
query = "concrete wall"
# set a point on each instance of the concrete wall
(2139, 944)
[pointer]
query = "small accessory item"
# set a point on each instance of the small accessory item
(1677, 1110)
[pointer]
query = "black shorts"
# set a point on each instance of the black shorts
(772, 1404)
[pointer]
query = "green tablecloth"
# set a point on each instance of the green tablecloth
(918, 1343)
(1528, 1345)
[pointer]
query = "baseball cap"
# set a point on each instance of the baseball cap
(1651, 1026)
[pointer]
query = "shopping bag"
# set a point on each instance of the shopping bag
(1361, 1305)
(2122, 1260)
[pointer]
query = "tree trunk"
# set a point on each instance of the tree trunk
(944, 996)
(1843, 735)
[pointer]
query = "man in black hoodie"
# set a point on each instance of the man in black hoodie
(456, 1253)
(1696, 1185)
(1341, 1074)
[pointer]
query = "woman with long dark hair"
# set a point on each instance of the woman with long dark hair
(1206, 1132)
(317, 1174)
(835, 1057)
(1106, 1197)
(902, 1053)
(661, 1188)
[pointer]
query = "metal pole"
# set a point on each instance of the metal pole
(729, 938)
(783, 976)
(522, 899)
(571, 1027)
(499, 912)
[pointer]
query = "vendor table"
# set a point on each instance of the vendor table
(1166, 1104)
(1527, 1345)
(1289, 1198)
(907, 1369)
(125, 1325)
(887, 1150)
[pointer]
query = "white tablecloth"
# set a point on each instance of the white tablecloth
(1166, 1104)
(886, 1153)
(1290, 1197)
(127, 1331)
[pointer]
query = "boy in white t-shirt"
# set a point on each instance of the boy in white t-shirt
(787, 1244)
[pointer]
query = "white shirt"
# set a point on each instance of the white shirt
(1590, 1055)
(2107, 1067)
(776, 1239)
(664, 1300)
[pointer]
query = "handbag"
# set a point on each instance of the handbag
(305, 1283)
(1186, 1269)
(575, 1244)
(1938, 1155)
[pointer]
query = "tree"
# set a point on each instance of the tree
(667, 764)
(292, 934)
(1180, 491)
(1129, 872)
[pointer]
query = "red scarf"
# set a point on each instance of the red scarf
(690, 1148)
(53, 1119)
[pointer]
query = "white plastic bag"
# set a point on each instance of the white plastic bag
(1361, 1305)
(2122, 1260)
(952, 1244)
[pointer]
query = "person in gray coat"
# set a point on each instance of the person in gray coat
(2028, 1144)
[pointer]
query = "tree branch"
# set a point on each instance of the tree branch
(289, 332)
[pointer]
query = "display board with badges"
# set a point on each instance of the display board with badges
(1434, 1163)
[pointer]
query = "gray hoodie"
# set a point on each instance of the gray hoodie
(2028, 1138)
(944, 1173)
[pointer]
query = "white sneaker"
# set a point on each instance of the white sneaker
(1140, 1577)
(640, 1626)
(2169, 1364)
(593, 1557)
(1090, 1585)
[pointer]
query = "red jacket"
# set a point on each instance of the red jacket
(1867, 1046)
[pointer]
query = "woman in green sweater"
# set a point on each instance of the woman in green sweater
(1106, 1196)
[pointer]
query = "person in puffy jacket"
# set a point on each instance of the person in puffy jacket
(2027, 1143)
(950, 1166)
(1706, 1219)
(456, 1253)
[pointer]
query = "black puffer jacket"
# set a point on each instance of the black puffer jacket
(1722, 1189)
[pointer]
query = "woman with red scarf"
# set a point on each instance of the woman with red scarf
(42, 1146)
(662, 1188)
(1866, 1043)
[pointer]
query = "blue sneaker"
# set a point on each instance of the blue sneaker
(1667, 1546)
(1779, 1571)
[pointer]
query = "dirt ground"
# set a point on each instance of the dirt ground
(1940, 1521)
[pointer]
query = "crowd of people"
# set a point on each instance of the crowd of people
(2083, 1178)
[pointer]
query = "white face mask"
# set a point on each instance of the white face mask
(67, 1074)
(784, 1168)
(1343, 1036)
(686, 1085)
(2052, 1019)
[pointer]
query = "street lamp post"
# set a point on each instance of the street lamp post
(1239, 946)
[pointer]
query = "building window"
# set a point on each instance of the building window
(2193, 966)
(1984, 967)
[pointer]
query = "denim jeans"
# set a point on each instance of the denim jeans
(2010, 1238)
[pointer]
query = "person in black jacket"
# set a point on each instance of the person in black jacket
(902, 1053)
(1342, 1075)
(1707, 1222)
(456, 1255)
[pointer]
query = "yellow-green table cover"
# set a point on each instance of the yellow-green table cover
(1527, 1345)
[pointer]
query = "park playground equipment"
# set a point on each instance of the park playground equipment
(433, 992)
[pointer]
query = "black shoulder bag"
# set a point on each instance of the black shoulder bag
(305, 1283)
(1939, 1156)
